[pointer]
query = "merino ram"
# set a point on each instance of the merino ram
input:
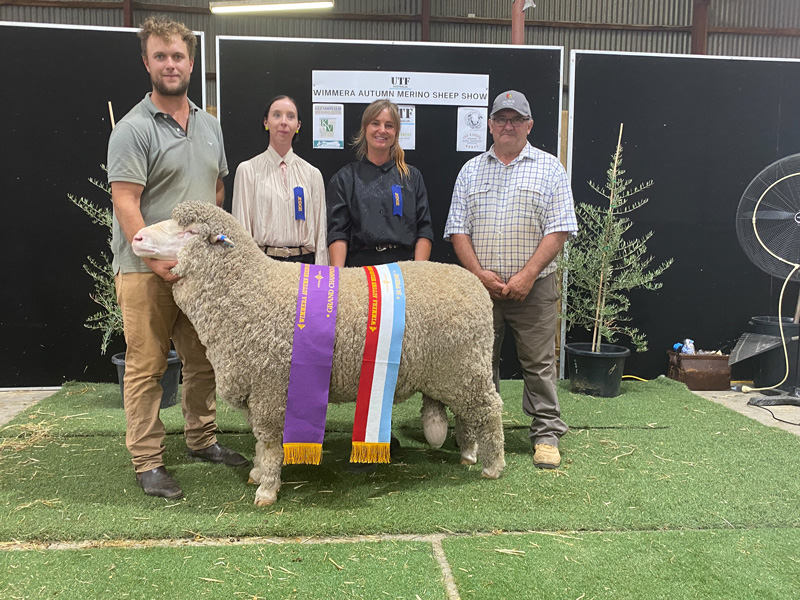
(243, 303)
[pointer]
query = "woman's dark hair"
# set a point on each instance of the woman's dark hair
(269, 105)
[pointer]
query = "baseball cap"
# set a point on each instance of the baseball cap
(514, 100)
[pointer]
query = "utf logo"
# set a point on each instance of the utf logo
(401, 81)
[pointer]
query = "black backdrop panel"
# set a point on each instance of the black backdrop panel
(57, 83)
(252, 71)
(701, 129)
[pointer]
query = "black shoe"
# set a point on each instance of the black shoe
(157, 482)
(394, 446)
(362, 468)
(218, 454)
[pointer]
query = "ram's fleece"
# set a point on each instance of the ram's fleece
(243, 303)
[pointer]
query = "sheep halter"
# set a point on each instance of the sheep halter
(312, 359)
(386, 322)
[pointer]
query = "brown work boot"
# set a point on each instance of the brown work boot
(157, 482)
(218, 454)
(546, 456)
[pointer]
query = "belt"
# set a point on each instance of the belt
(285, 251)
(384, 247)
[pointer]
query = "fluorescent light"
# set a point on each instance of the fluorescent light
(247, 6)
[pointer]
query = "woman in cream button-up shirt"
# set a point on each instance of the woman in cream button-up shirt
(280, 198)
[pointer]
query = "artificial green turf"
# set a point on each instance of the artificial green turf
(656, 457)
(723, 564)
(371, 570)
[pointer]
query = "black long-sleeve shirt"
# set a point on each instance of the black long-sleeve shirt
(359, 200)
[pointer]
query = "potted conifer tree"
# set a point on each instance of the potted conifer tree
(602, 267)
(108, 320)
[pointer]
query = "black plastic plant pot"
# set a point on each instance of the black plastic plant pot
(169, 381)
(596, 373)
(770, 367)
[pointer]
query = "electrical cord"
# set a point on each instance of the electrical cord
(746, 388)
(776, 418)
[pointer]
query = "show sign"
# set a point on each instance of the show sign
(363, 87)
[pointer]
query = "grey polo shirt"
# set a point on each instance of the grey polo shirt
(149, 148)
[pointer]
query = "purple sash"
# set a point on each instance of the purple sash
(312, 358)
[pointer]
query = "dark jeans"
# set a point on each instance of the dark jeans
(369, 256)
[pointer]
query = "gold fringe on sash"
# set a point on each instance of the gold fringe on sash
(302, 454)
(364, 452)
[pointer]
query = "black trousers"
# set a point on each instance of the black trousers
(302, 258)
(369, 256)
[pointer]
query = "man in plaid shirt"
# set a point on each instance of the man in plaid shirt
(511, 212)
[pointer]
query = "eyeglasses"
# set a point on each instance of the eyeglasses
(515, 121)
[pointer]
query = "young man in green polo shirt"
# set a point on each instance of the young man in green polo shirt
(164, 151)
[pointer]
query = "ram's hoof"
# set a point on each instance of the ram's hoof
(468, 459)
(491, 473)
(255, 476)
(266, 496)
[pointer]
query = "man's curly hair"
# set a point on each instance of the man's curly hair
(165, 29)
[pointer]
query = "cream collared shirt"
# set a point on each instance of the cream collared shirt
(264, 205)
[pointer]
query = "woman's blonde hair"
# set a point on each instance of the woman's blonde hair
(370, 114)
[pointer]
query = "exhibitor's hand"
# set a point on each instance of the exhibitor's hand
(162, 268)
(492, 282)
(519, 286)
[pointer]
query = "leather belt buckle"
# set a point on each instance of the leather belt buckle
(384, 247)
(282, 252)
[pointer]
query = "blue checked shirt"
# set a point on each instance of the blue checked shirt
(508, 209)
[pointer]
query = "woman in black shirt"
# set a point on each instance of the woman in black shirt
(378, 209)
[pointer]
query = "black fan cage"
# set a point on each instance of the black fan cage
(773, 197)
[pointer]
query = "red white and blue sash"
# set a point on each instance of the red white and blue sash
(386, 321)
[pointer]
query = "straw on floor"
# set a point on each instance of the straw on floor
(657, 479)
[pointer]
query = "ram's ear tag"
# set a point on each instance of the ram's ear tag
(222, 239)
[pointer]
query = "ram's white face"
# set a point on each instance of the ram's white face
(163, 240)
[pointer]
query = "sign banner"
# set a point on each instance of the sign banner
(471, 136)
(408, 127)
(328, 125)
(452, 89)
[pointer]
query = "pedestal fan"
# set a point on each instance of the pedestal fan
(768, 228)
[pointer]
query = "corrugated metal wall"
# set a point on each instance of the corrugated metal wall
(761, 13)
(675, 13)
(771, 14)
(753, 45)
(631, 12)
(654, 13)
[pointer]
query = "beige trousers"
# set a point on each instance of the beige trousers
(151, 318)
(533, 323)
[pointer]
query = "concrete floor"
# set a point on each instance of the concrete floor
(16, 400)
(738, 401)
